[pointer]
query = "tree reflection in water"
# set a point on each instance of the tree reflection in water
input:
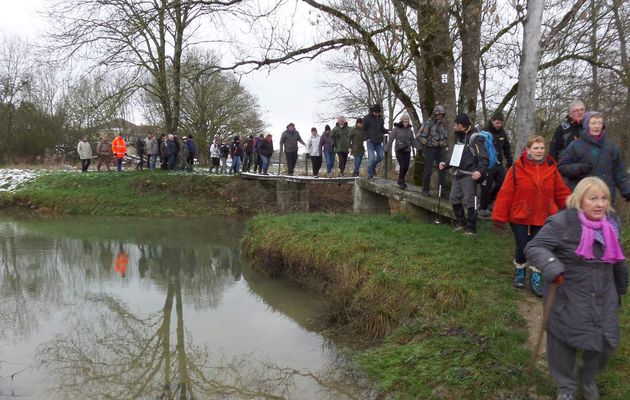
(108, 350)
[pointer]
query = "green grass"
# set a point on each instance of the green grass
(441, 305)
(137, 193)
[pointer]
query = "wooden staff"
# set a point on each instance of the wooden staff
(547, 308)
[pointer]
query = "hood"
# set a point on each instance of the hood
(586, 132)
(399, 125)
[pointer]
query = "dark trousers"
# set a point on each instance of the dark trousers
(85, 164)
(433, 155)
(403, 158)
(164, 161)
(292, 157)
(490, 188)
(172, 161)
(343, 159)
(119, 162)
(522, 235)
(140, 164)
(316, 161)
(247, 161)
(190, 161)
(561, 360)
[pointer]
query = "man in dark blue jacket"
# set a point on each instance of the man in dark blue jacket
(374, 131)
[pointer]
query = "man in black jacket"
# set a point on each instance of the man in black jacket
(490, 187)
(374, 130)
(568, 130)
(470, 168)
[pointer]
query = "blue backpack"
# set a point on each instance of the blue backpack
(489, 144)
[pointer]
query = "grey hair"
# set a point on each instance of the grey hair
(576, 103)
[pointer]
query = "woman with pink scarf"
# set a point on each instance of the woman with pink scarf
(578, 249)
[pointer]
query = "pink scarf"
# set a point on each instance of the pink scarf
(612, 251)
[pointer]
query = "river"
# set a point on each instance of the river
(96, 308)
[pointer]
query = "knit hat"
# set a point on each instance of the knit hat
(327, 128)
(497, 116)
(376, 108)
(463, 119)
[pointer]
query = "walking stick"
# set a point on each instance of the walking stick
(547, 308)
(437, 217)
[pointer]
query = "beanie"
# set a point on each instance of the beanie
(376, 108)
(327, 128)
(462, 119)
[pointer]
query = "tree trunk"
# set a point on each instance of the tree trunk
(470, 33)
(528, 70)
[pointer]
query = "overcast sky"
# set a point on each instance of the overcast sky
(287, 94)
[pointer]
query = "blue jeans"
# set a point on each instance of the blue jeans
(330, 161)
(265, 163)
(236, 165)
(375, 156)
(152, 161)
(357, 163)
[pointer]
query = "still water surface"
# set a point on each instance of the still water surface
(94, 308)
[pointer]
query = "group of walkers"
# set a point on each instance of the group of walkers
(172, 153)
(558, 202)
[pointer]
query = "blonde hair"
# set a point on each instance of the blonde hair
(575, 199)
(535, 139)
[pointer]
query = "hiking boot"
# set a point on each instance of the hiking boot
(468, 232)
(471, 220)
(402, 186)
(519, 275)
(355, 174)
(484, 213)
(590, 391)
(341, 174)
(460, 217)
(370, 178)
(426, 193)
(566, 396)
(535, 282)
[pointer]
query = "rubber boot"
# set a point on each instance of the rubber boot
(519, 275)
(535, 281)
(471, 222)
(460, 217)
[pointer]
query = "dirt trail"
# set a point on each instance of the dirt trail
(531, 308)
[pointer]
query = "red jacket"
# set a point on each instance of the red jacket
(530, 193)
(119, 147)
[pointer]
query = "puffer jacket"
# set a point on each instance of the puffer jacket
(433, 134)
(326, 143)
(590, 156)
(584, 315)
(530, 193)
(341, 138)
(404, 138)
(374, 128)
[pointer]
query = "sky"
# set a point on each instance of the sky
(286, 94)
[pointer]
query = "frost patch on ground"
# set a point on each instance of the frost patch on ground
(13, 179)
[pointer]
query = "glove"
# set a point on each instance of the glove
(498, 225)
(559, 280)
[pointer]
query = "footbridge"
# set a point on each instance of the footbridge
(376, 196)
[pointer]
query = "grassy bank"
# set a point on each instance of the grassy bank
(440, 305)
(131, 193)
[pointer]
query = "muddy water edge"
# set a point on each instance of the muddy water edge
(135, 308)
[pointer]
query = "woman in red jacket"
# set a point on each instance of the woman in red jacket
(533, 190)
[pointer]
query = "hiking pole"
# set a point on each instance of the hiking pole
(547, 307)
(437, 217)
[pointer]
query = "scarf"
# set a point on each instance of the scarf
(612, 251)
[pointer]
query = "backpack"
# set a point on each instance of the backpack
(489, 144)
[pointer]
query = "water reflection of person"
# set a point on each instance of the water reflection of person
(121, 262)
(142, 262)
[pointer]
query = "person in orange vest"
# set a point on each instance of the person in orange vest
(119, 148)
(121, 262)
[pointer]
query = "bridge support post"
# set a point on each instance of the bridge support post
(368, 202)
(412, 212)
(292, 196)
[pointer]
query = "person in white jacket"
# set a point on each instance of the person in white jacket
(215, 155)
(314, 152)
(85, 153)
